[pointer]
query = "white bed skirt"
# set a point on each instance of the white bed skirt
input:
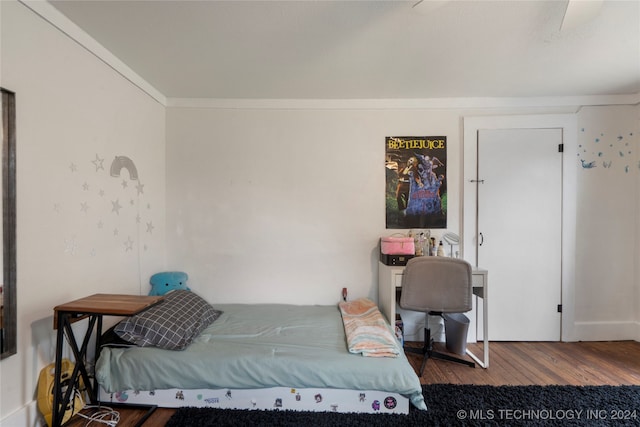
(276, 398)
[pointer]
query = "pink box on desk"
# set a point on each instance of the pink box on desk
(397, 246)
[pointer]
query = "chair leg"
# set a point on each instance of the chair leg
(442, 356)
(427, 352)
(424, 351)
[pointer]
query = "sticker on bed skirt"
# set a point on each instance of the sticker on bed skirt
(390, 402)
(277, 398)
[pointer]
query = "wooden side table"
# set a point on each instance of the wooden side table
(92, 307)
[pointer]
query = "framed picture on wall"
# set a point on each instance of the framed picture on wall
(416, 181)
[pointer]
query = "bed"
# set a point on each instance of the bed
(260, 356)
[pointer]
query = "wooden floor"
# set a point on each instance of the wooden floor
(510, 363)
(542, 363)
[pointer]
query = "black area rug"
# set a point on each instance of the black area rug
(458, 405)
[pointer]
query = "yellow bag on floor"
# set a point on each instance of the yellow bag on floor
(45, 391)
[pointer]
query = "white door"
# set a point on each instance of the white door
(520, 231)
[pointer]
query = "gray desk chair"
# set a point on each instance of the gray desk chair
(436, 285)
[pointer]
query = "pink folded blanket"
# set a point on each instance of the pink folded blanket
(366, 330)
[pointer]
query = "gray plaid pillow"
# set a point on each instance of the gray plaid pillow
(171, 324)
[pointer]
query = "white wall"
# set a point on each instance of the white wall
(637, 240)
(74, 116)
(607, 221)
(285, 205)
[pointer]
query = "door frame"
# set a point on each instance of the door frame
(469, 233)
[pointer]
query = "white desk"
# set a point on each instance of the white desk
(390, 282)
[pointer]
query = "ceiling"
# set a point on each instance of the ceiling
(367, 49)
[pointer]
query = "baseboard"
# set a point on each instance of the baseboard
(607, 331)
(27, 416)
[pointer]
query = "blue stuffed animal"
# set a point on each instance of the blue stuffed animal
(162, 283)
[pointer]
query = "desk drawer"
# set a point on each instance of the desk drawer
(397, 280)
(477, 280)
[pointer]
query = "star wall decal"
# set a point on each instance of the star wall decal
(116, 206)
(98, 163)
(73, 167)
(84, 207)
(140, 188)
(150, 227)
(70, 246)
(128, 244)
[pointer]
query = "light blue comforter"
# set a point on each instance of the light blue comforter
(261, 346)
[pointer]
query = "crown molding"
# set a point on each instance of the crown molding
(569, 102)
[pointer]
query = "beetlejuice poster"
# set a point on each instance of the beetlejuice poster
(416, 183)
